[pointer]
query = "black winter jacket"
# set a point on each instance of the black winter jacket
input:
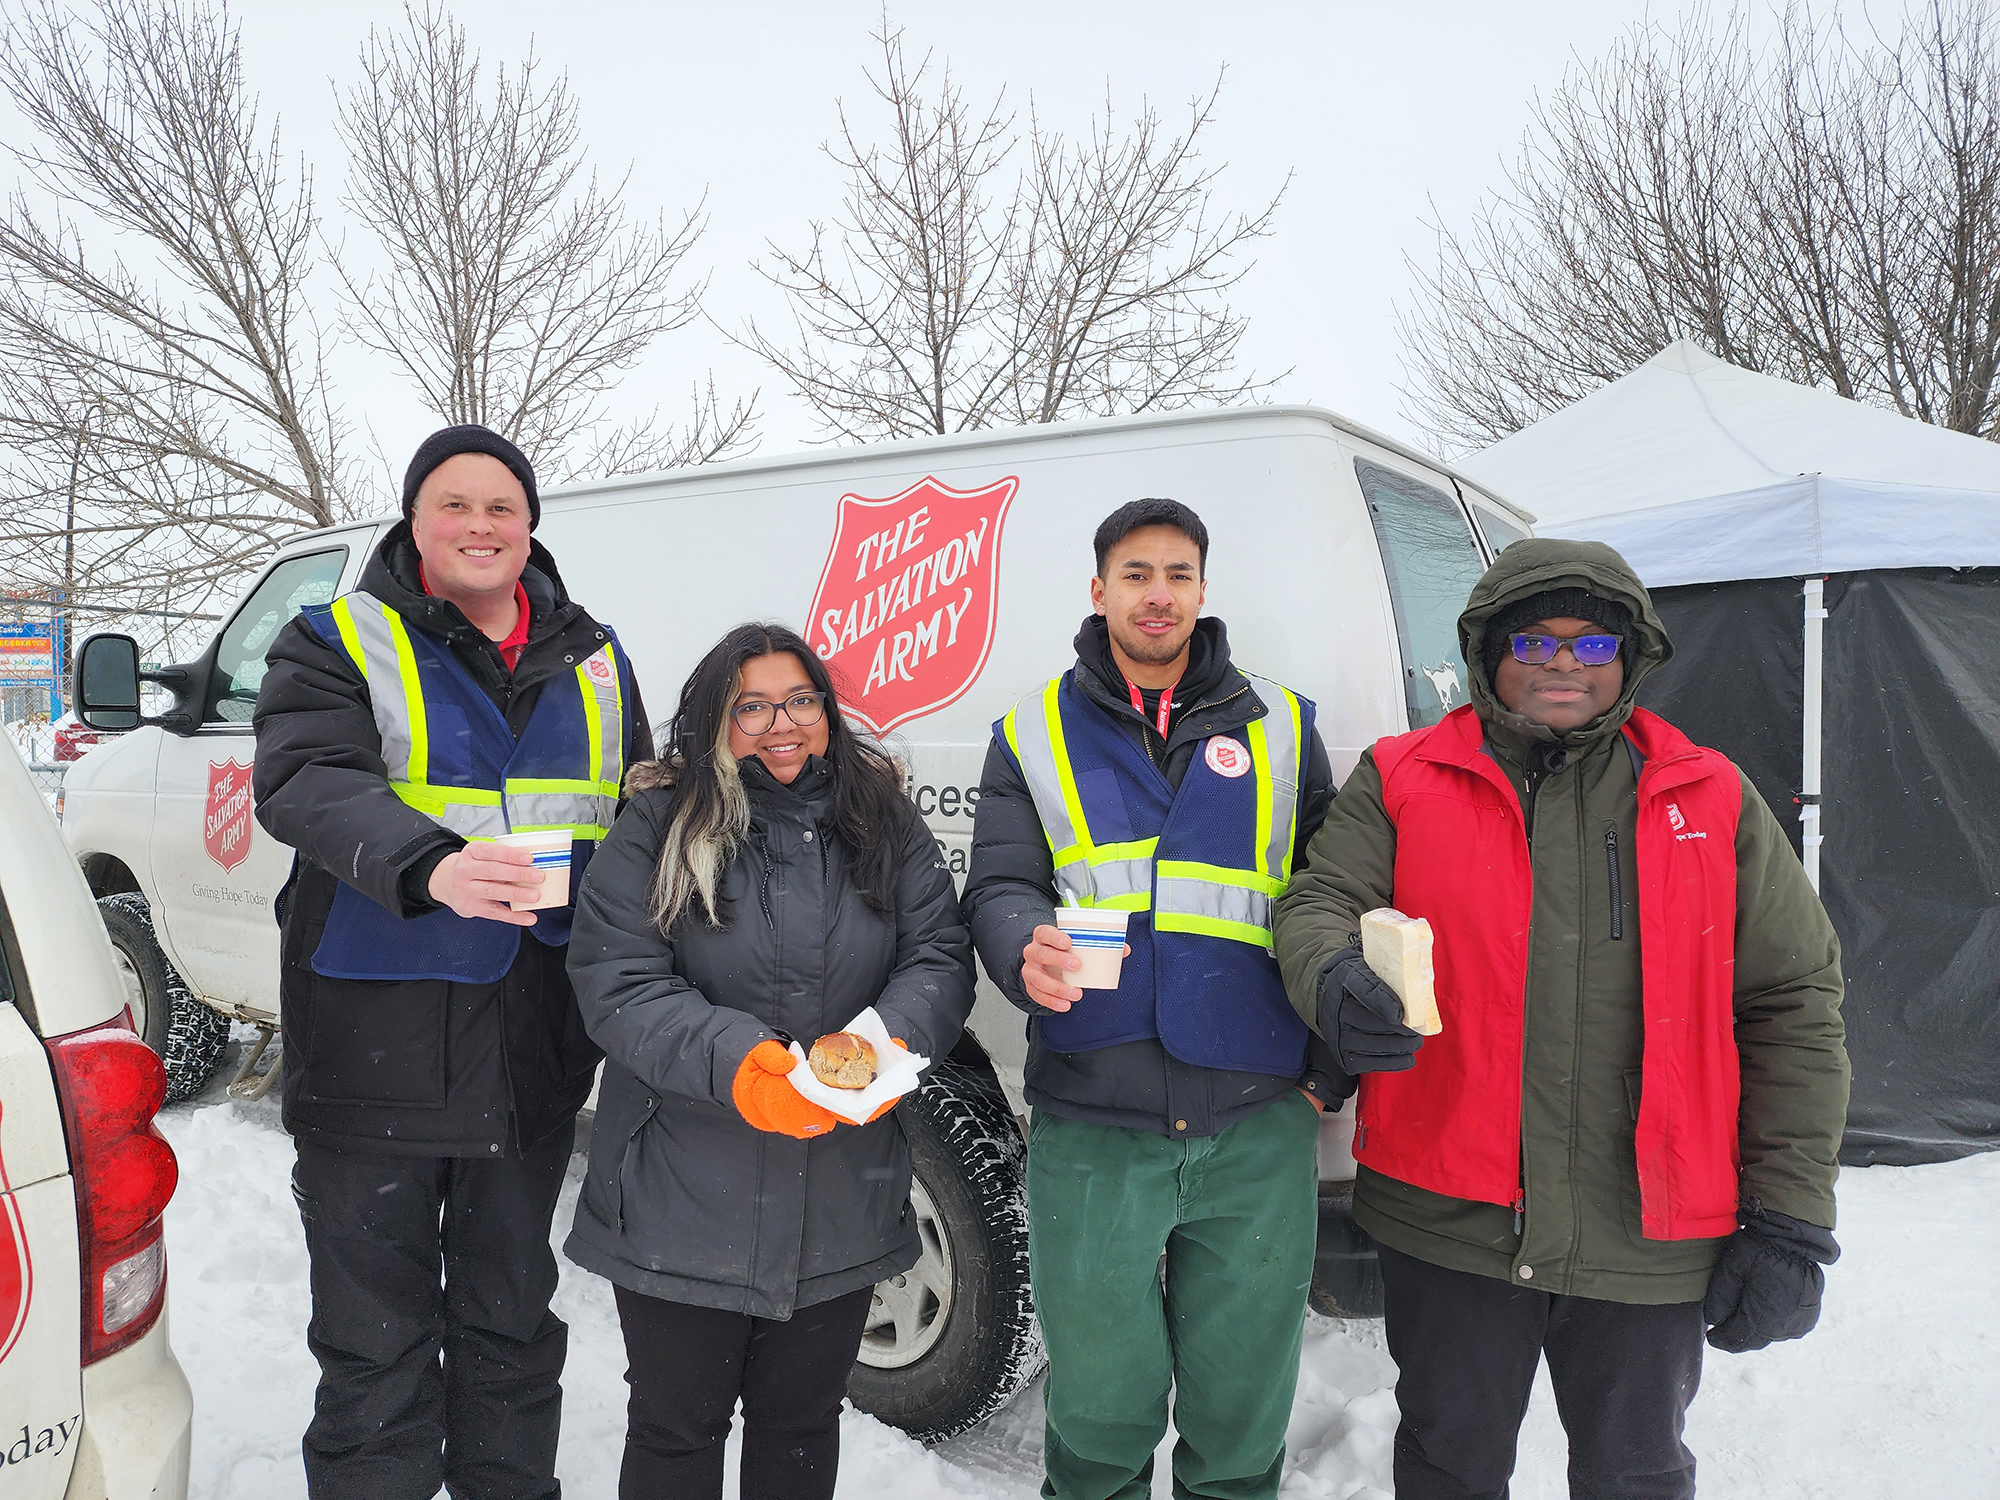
(1011, 890)
(421, 1066)
(684, 1199)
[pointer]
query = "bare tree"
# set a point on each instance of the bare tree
(164, 410)
(517, 291)
(1826, 209)
(952, 294)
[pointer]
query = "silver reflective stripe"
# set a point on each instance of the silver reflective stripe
(470, 821)
(1207, 898)
(387, 692)
(559, 810)
(1121, 877)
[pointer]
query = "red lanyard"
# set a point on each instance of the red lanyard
(1166, 701)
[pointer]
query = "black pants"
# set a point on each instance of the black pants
(1467, 1347)
(439, 1359)
(687, 1367)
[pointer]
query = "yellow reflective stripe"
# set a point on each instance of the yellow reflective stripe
(1246, 880)
(589, 831)
(423, 794)
(1241, 932)
(413, 695)
(1065, 773)
(592, 726)
(343, 619)
(1103, 854)
(1299, 750)
(1260, 762)
(522, 786)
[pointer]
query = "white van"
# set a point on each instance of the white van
(943, 578)
(93, 1404)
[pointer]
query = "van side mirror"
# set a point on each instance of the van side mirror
(107, 682)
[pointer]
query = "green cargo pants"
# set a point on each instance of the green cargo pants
(1237, 1217)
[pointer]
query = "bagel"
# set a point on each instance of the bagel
(843, 1061)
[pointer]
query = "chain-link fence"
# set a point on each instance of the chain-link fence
(48, 778)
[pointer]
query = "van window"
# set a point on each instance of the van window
(1501, 532)
(239, 658)
(1432, 561)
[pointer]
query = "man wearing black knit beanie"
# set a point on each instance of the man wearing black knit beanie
(435, 1057)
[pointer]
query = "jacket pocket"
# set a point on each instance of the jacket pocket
(615, 1179)
(378, 1041)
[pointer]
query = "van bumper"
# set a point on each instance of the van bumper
(138, 1418)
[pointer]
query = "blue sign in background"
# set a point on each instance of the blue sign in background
(26, 646)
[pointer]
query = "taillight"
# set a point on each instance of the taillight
(112, 1084)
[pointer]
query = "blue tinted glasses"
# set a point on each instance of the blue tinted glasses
(1534, 649)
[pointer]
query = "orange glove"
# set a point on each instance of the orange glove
(768, 1102)
(893, 1102)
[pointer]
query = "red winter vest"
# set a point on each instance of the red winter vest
(1452, 1123)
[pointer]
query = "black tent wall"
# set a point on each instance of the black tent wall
(1910, 870)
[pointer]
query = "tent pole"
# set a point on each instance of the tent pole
(1809, 788)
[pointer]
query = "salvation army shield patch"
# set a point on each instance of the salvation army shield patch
(225, 823)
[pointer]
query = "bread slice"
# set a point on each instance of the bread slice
(1399, 950)
(843, 1061)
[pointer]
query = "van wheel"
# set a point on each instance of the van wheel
(953, 1339)
(188, 1035)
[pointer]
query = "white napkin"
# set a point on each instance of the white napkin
(896, 1073)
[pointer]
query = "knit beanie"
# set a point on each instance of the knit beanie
(1552, 604)
(449, 442)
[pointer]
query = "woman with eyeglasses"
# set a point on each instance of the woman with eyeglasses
(768, 880)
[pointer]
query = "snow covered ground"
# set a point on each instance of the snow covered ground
(1893, 1398)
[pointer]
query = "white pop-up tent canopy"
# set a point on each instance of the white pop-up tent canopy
(1830, 576)
(1698, 471)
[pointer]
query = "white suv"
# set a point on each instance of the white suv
(93, 1404)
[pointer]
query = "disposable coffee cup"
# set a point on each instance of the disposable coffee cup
(1097, 936)
(551, 848)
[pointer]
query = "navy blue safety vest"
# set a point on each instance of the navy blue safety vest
(451, 756)
(1200, 869)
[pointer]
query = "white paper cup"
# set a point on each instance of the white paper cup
(551, 848)
(1097, 936)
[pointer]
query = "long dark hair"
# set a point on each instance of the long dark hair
(710, 816)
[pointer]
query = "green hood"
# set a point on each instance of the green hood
(1531, 567)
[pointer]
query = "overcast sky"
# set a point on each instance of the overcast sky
(1381, 111)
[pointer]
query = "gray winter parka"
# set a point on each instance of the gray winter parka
(683, 1199)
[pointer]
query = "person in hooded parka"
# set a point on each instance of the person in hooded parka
(767, 881)
(1624, 1137)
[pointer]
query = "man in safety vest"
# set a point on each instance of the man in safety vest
(1179, 1112)
(1625, 1135)
(434, 1057)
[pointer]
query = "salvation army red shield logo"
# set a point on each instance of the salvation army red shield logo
(905, 607)
(225, 823)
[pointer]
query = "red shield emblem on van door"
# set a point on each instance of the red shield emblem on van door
(17, 1271)
(225, 822)
(906, 602)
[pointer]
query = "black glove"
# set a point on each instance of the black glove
(1767, 1282)
(1363, 1018)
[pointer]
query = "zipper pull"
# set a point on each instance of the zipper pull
(1360, 1137)
(1520, 1208)
(1616, 887)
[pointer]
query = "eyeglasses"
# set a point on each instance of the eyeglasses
(802, 709)
(1532, 648)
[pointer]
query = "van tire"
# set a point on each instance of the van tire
(189, 1037)
(981, 1343)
